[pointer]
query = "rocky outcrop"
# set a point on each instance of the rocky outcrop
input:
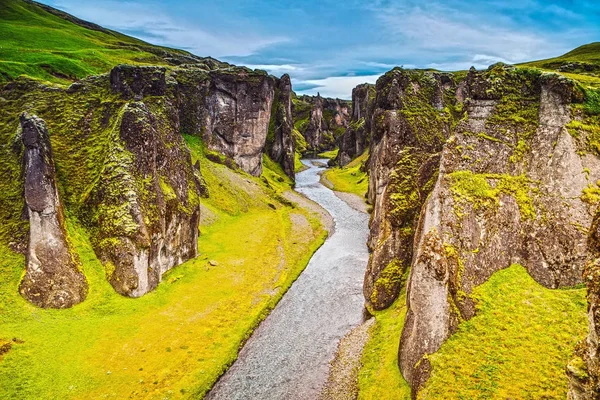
(229, 108)
(409, 128)
(356, 138)
(469, 176)
(53, 277)
(583, 369)
(126, 171)
(238, 115)
(321, 121)
(280, 143)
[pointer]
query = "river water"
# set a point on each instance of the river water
(288, 355)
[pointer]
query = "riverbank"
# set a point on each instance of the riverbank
(177, 340)
(288, 355)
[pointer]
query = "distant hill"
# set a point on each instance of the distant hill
(582, 64)
(42, 42)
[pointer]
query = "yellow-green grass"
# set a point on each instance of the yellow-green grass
(350, 178)
(379, 376)
(177, 340)
(42, 45)
(588, 54)
(331, 154)
(516, 347)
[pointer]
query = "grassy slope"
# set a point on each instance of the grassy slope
(350, 178)
(589, 54)
(517, 346)
(41, 45)
(379, 376)
(329, 154)
(176, 341)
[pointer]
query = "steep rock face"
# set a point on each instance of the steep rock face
(509, 190)
(125, 169)
(355, 139)
(53, 278)
(231, 110)
(315, 129)
(321, 121)
(145, 210)
(280, 143)
(239, 111)
(409, 128)
(584, 369)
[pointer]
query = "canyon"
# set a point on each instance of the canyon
(156, 209)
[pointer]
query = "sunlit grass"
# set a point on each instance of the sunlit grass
(175, 341)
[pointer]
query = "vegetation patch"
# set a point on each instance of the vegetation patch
(379, 376)
(516, 346)
(351, 178)
(177, 340)
(483, 191)
(331, 154)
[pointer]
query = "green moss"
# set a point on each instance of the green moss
(591, 194)
(500, 353)
(379, 376)
(389, 281)
(477, 190)
(167, 190)
(454, 256)
(482, 135)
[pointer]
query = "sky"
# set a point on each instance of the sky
(330, 46)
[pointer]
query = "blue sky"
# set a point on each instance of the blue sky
(331, 46)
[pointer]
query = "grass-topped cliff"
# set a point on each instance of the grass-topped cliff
(41, 42)
(581, 64)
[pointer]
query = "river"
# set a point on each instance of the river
(288, 355)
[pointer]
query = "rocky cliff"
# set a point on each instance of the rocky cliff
(321, 121)
(410, 123)
(53, 278)
(124, 167)
(470, 174)
(280, 145)
(356, 138)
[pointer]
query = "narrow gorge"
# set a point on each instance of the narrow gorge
(176, 226)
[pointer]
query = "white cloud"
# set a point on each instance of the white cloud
(154, 25)
(277, 70)
(445, 30)
(337, 86)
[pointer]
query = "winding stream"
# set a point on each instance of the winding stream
(288, 355)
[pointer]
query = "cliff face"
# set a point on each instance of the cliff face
(229, 109)
(321, 121)
(239, 110)
(53, 278)
(280, 144)
(409, 128)
(468, 177)
(356, 138)
(125, 168)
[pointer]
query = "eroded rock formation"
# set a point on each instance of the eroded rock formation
(468, 176)
(53, 278)
(126, 171)
(239, 110)
(409, 128)
(356, 138)
(321, 121)
(280, 144)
